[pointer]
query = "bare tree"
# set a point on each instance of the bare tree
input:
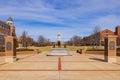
(96, 35)
(30, 41)
(75, 40)
(24, 39)
(96, 29)
(42, 41)
(48, 42)
(86, 41)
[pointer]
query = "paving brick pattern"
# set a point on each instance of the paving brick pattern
(75, 67)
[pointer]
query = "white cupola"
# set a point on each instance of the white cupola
(59, 37)
(10, 21)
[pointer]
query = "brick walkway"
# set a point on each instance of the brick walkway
(76, 67)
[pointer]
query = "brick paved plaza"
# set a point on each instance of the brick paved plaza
(75, 67)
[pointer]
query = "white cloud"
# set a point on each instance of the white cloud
(77, 16)
(110, 21)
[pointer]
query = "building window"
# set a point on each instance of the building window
(10, 24)
(119, 41)
(3, 27)
(106, 34)
(0, 26)
(6, 27)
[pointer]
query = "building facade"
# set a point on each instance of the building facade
(103, 34)
(106, 32)
(6, 29)
(117, 32)
(98, 38)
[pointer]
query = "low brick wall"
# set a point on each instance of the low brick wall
(21, 52)
(99, 52)
(27, 52)
(35, 52)
(94, 52)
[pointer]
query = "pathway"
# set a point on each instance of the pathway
(76, 67)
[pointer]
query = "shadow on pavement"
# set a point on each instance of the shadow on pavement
(97, 59)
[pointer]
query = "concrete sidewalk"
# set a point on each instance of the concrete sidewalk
(75, 67)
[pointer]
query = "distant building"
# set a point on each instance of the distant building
(6, 29)
(117, 32)
(98, 38)
(103, 34)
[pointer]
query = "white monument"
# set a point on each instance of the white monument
(59, 37)
(59, 40)
(59, 51)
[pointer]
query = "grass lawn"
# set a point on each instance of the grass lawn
(46, 48)
(71, 48)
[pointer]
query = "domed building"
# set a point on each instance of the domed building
(7, 28)
(59, 40)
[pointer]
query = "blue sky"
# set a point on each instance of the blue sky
(69, 17)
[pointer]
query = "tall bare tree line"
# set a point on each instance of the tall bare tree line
(93, 39)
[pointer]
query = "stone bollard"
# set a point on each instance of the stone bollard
(10, 49)
(110, 48)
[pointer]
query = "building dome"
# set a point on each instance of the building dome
(10, 19)
(58, 35)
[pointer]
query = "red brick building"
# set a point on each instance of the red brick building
(117, 32)
(5, 30)
(98, 38)
(103, 34)
(109, 32)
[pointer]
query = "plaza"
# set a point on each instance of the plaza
(75, 67)
(59, 40)
(59, 63)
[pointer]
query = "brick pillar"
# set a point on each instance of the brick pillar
(110, 48)
(10, 49)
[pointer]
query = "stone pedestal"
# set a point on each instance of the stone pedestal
(10, 49)
(110, 48)
(59, 44)
(10, 59)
